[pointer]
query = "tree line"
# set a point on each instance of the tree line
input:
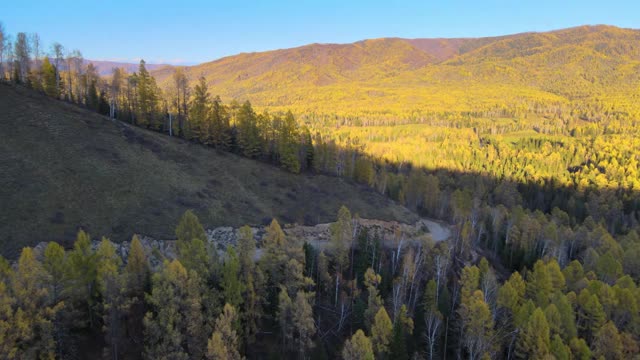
(363, 296)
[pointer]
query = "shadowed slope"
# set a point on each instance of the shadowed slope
(64, 167)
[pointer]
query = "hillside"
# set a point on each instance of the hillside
(401, 78)
(64, 168)
(105, 68)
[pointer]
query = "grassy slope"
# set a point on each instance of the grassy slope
(399, 76)
(64, 167)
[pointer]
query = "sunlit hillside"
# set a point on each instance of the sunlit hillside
(585, 67)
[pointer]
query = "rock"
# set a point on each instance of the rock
(319, 235)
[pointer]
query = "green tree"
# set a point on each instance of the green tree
(559, 350)
(49, 78)
(220, 130)
(374, 302)
(580, 349)
(288, 144)
(381, 332)
(232, 285)
(341, 237)
(110, 287)
(137, 282)
(608, 343)
(303, 322)
(534, 341)
(401, 329)
(539, 284)
(248, 132)
(358, 347)
(82, 281)
(192, 251)
(477, 325)
(147, 101)
(174, 326)
(199, 112)
(224, 342)
(33, 318)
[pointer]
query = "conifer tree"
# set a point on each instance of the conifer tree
(248, 131)
(49, 78)
(110, 287)
(220, 129)
(163, 335)
(359, 347)
(147, 99)
(192, 251)
(137, 280)
(303, 322)
(199, 112)
(232, 285)
(224, 342)
(534, 341)
(381, 333)
(82, 281)
(32, 323)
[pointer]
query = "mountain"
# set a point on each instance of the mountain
(106, 67)
(398, 78)
(64, 167)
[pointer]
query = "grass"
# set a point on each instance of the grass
(64, 168)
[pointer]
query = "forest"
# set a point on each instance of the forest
(543, 263)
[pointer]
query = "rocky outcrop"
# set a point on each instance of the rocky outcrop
(390, 234)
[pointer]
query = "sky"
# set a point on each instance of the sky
(190, 32)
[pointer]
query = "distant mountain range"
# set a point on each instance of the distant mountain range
(397, 77)
(106, 67)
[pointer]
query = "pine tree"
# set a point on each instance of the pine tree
(477, 323)
(374, 302)
(192, 251)
(559, 350)
(220, 130)
(534, 342)
(381, 333)
(303, 322)
(32, 323)
(82, 281)
(579, 349)
(199, 112)
(539, 284)
(165, 326)
(110, 287)
(250, 276)
(49, 78)
(288, 144)
(358, 347)
(137, 282)
(274, 256)
(248, 131)
(147, 98)
(57, 267)
(608, 343)
(232, 285)
(401, 329)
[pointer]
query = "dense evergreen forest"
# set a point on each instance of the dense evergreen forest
(543, 261)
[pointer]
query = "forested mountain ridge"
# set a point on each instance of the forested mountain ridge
(396, 78)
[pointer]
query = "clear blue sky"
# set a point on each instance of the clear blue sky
(198, 31)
